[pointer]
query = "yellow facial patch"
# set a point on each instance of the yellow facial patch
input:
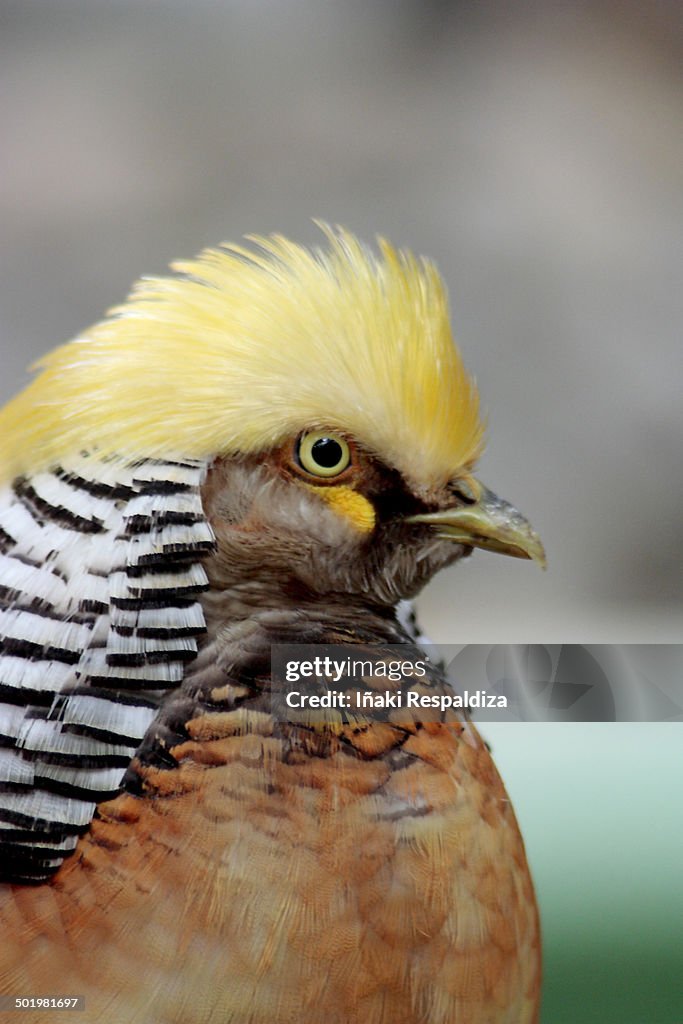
(350, 504)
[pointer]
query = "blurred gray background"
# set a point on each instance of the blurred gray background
(535, 151)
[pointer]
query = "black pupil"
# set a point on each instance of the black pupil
(327, 452)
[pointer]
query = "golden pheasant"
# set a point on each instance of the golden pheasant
(274, 445)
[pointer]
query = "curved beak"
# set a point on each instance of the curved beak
(490, 523)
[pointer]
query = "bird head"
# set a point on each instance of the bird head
(326, 396)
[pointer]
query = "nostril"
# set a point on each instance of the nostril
(461, 490)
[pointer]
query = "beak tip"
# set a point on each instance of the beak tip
(541, 560)
(532, 551)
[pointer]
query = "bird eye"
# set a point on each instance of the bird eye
(323, 454)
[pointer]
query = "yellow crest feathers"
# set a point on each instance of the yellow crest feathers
(244, 347)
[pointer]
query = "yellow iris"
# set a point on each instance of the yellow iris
(322, 453)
